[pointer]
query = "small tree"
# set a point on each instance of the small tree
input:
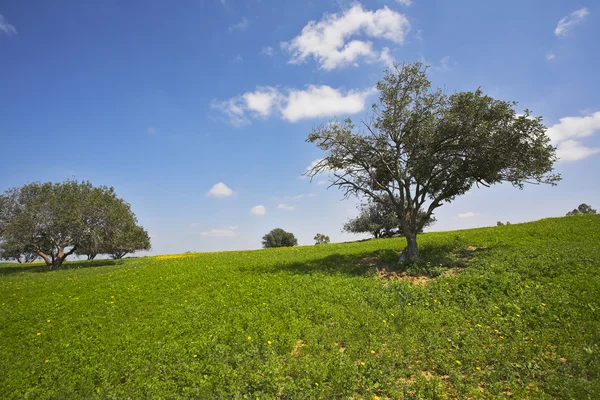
(582, 209)
(11, 251)
(279, 238)
(422, 148)
(321, 239)
(380, 220)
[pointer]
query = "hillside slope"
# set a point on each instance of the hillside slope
(523, 318)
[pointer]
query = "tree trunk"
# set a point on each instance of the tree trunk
(411, 251)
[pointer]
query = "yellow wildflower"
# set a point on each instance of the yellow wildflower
(458, 362)
(47, 361)
(48, 321)
(195, 355)
(362, 363)
(268, 342)
(38, 334)
(372, 351)
(249, 337)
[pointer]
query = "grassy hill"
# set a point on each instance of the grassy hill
(522, 319)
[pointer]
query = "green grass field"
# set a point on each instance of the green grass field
(521, 320)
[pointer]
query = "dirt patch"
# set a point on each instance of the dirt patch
(297, 347)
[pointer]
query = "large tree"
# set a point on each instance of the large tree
(279, 238)
(55, 219)
(421, 148)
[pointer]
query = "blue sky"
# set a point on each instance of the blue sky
(197, 111)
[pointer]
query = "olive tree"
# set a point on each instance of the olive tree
(421, 148)
(279, 238)
(321, 239)
(53, 220)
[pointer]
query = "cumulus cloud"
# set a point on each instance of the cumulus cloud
(405, 3)
(220, 190)
(329, 40)
(567, 23)
(550, 56)
(286, 207)
(240, 26)
(291, 104)
(6, 27)
(565, 134)
(222, 232)
(258, 210)
(469, 214)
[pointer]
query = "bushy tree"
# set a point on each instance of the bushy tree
(54, 219)
(321, 239)
(421, 148)
(582, 209)
(381, 220)
(279, 238)
(15, 252)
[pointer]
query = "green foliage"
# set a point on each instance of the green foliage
(321, 239)
(582, 209)
(54, 220)
(311, 323)
(279, 238)
(381, 220)
(422, 148)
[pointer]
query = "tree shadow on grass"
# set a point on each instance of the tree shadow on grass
(7, 269)
(434, 260)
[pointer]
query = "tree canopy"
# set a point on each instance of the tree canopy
(582, 209)
(321, 239)
(421, 148)
(54, 220)
(279, 238)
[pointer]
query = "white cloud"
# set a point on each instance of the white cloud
(223, 232)
(573, 150)
(469, 214)
(405, 3)
(291, 104)
(550, 56)
(568, 22)
(258, 210)
(268, 50)
(386, 58)
(444, 64)
(564, 135)
(240, 26)
(6, 27)
(305, 195)
(328, 40)
(220, 190)
(321, 182)
(323, 101)
(286, 207)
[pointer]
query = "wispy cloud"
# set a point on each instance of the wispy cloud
(6, 27)
(469, 214)
(329, 40)
(567, 23)
(267, 50)
(240, 26)
(550, 56)
(286, 207)
(222, 232)
(300, 196)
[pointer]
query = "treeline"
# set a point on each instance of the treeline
(52, 221)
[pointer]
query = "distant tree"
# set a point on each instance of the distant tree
(582, 209)
(321, 239)
(53, 220)
(421, 148)
(129, 240)
(499, 223)
(20, 254)
(279, 238)
(380, 220)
